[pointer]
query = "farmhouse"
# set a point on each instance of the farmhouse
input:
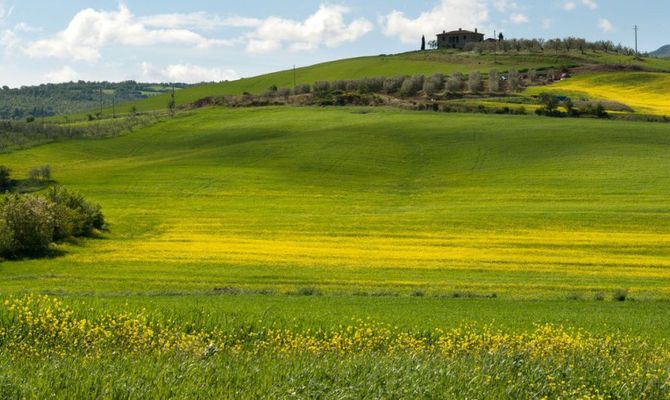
(458, 39)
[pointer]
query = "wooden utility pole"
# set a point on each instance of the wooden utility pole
(295, 81)
(495, 52)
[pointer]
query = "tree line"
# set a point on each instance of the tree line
(47, 100)
(556, 45)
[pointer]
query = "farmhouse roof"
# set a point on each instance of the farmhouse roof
(459, 32)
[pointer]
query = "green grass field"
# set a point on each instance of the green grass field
(227, 226)
(374, 199)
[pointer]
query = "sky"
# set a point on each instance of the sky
(43, 41)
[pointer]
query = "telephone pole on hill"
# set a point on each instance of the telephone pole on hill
(636, 29)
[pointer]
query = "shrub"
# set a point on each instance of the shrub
(515, 82)
(620, 295)
(475, 82)
(73, 215)
(434, 84)
(371, 85)
(393, 85)
(28, 224)
(339, 85)
(5, 178)
(455, 83)
(494, 81)
(412, 86)
(284, 92)
(40, 174)
(303, 89)
(321, 86)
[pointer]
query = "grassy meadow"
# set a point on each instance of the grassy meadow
(288, 252)
(370, 199)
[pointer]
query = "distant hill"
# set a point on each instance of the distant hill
(426, 62)
(662, 52)
(66, 98)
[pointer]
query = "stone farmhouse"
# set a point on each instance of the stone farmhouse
(458, 39)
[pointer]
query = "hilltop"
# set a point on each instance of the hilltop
(662, 52)
(426, 63)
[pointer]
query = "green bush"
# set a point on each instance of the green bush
(28, 224)
(74, 216)
(5, 178)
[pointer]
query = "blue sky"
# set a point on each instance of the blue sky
(169, 40)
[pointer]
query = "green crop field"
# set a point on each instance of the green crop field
(373, 199)
(352, 253)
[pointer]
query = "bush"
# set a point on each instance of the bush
(40, 174)
(303, 89)
(515, 82)
(475, 82)
(434, 84)
(412, 86)
(28, 225)
(371, 85)
(321, 86)
(339, 85)
(393, 85)
(494, 81)
(74, 216)
(455, 83)
(620, 295)
(5, 178)
(284, 92)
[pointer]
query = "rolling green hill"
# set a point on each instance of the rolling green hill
(365, 199)
(392, 65)
(664, 51)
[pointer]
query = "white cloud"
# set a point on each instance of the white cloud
(569, 5)
(24, 27)
(9, 40)
(187, 73)
(447, 14)
(605, 25)
(504, 5)
(325, 27)
(65, 74)
(547, 23)
(5, 11)
(91, 30)
(519, 18)
(198, 21)
(590, 4)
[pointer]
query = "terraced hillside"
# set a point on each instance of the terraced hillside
(357, 199)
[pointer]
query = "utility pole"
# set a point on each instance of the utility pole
(295, 81)
(636, 29)
(114, 105)
(101, 102)
(495, 52)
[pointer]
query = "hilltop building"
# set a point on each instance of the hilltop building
(458, 39)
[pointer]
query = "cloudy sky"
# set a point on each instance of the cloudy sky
(204, 40)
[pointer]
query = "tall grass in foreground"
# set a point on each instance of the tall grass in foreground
(46, 348)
